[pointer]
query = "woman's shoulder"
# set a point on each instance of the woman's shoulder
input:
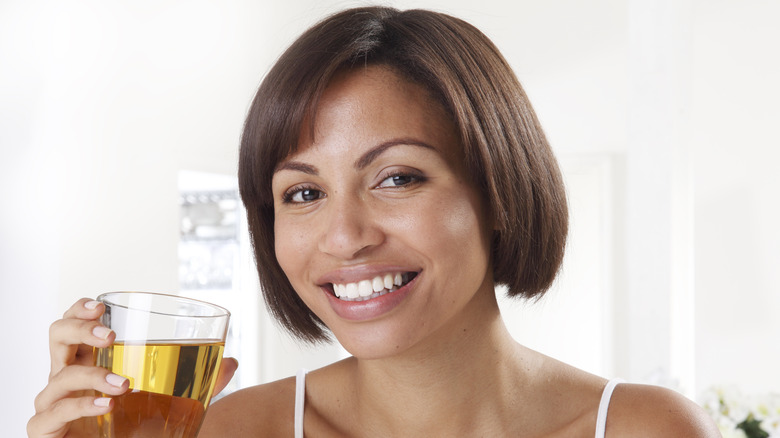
(651, 411)
(634, 410)
(257, 411)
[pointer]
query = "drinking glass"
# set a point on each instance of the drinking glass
(170, 348)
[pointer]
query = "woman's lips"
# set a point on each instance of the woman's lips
(372, 305)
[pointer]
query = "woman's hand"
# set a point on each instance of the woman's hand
(70, 400)
(226, 371)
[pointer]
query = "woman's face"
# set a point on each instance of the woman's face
(378, 226)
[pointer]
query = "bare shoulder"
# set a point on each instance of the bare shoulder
(652, 411)
(260, 411)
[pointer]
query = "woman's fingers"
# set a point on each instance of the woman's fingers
(71, 341)
(59, 404)
(226, 371)
(72, 377)
(79, 378)
(55, 421)
(71, 338)
(85, 308)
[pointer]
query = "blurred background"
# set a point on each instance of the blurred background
(119, 130)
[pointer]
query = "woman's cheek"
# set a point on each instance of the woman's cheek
(287, 245)
(457, 221)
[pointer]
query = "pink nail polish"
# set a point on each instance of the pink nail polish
(101, 332)
(115, 380)
(102, 402)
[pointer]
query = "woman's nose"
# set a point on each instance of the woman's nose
(349, 229)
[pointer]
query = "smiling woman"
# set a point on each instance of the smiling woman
(394, 173)
(474, 95)
(392, 199)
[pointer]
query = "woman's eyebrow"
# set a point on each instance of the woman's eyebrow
(367, 158)
(373, 153)
(297, 166)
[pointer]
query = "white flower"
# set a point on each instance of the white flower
(732, 433)
(736, 405)
(727, 402)
(728, 427)
(771, 425)
(728, 407)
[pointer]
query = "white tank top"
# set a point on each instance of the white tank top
(601, 418)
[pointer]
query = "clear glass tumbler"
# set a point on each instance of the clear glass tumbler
(170, 348)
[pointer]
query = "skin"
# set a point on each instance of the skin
(439, 361)
(435, 359)
(365, 224)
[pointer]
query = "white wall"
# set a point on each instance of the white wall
(101, 104)
(736, 143)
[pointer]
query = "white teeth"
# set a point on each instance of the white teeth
(388, 281)
(352, 290)
(367, 289)
(364, 288)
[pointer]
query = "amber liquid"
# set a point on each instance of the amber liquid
(170, 387)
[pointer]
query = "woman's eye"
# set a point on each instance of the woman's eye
(302, 195)
(399, 180)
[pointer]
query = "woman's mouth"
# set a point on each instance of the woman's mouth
(371, 288)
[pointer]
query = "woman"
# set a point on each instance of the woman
(394, 173)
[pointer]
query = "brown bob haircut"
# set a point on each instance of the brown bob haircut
(506, 151)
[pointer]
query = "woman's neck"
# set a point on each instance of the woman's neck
(457, 378)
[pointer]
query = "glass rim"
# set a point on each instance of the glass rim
(103, 298)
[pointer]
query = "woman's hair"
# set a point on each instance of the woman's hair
(506, 152)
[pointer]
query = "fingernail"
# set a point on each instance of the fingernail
(91, 305)
(101, 332)
(115, 380)
(102, 402)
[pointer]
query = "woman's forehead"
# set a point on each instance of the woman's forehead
(374, 104)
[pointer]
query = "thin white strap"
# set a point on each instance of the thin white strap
(300, 392)
(606, 396)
